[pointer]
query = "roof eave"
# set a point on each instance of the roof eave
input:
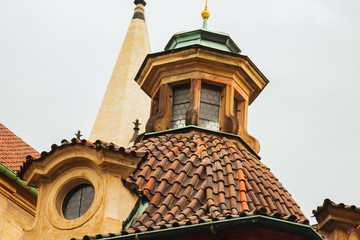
(305, 231)
(153, 55)
(12, 176)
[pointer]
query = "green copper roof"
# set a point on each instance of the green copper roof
(217, 40)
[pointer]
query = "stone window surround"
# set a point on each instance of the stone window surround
(62, 186)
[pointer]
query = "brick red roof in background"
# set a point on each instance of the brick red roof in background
(197, 177)
(13, 150)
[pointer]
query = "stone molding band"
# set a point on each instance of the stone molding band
(139, 15)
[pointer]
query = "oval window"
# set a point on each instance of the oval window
(77, 201)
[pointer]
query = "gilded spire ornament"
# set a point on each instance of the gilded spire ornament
(205, 15)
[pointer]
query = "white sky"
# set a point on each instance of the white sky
(56, 58)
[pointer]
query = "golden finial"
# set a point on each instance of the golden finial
(205, 13)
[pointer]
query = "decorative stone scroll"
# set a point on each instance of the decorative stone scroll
(160, 119)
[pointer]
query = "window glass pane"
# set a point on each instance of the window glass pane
(209, 112)
(71, 204)
(209, 107)
(212, 125)
(179, 111)
(210, 94)
(87, 197)
(181, 99)
(181, 95)
(78, 201)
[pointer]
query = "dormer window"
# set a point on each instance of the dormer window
(209, 107)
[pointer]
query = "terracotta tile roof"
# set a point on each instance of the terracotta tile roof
(64, 143)
(328, 203)
(13, 150)
(196, 177)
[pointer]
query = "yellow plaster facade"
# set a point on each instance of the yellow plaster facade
(124, 101)
(68, 167)
(17, 209)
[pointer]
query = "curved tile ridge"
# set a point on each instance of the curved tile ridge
(242, 183)
(194, 177)
(328, 203)
(65, 143)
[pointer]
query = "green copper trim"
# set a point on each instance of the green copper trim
(12, 176)
(205, 23)
(136, 212)
(223, 226)
(215, 40)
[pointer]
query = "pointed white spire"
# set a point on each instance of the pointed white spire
(124, 101)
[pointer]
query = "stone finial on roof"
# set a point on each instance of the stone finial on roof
(137, 124)
(136, 131)
(78, 134)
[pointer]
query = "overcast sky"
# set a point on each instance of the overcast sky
(56, 58)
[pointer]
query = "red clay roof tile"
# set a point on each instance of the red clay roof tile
(196, 177)
(209, 177)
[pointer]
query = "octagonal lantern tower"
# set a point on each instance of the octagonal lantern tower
(201, 79)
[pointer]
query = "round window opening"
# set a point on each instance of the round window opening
(77, 201)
